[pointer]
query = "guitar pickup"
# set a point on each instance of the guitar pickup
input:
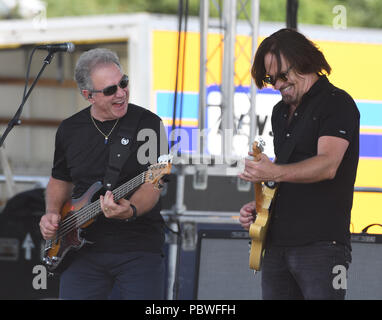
(271, 184)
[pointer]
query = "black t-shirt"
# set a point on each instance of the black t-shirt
(81, 157)
(309, 212)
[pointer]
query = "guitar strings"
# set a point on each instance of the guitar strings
(95, 205)
(81, 217)
(90, 211)
(118, 193)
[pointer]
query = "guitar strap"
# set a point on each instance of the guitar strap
(121, 149)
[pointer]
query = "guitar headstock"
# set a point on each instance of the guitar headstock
(156, 171)
(258, 146)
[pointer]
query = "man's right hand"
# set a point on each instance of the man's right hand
(49, 225)
(246, 215)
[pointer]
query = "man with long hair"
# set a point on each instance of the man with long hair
(308, 235)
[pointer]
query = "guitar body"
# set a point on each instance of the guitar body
(258, 229)
(56, 250)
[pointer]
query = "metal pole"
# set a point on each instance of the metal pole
(228, 85)
(291, 16)
(173, 249)
(255, 20)
(9, 182)
(204, 15)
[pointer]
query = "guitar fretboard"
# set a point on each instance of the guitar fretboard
(93, 209)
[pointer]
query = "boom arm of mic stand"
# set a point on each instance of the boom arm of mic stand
(16, 118)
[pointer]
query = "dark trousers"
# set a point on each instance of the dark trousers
(314, 272)
(129, 275)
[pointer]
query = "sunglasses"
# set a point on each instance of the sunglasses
(282, 76)
(110, 90)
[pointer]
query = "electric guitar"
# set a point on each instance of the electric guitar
(78, 214)
(263, 197)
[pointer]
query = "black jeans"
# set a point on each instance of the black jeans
(316, 271)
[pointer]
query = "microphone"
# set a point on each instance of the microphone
(58, 47)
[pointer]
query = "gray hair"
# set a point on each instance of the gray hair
(89, 61)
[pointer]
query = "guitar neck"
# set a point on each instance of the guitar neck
(94, 209)
(123, 190)
(74, 220)
(258, 185)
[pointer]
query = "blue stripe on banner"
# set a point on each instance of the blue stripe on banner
(184, 139)
(213, 88)
(165, 105)
(371, 113)
(371, 116)
(265, 90)
(268, 90)
(370, 145)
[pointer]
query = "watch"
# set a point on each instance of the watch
(134, 217)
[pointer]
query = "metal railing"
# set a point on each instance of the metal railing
(367, 189)
(41, 181)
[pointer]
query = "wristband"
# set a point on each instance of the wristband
(134, 216)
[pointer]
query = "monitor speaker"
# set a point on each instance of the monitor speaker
(222, 271)
(22, 275)
(222, 267)
(364, 275)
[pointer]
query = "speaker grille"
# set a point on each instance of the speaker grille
(223, 271)
(364, 276)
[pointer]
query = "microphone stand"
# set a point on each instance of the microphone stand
(16, 118)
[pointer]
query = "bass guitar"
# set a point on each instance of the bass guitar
(263, 197)
(78, 214)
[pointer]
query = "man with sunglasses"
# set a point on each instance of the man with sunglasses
(124, 259)
(308, 236)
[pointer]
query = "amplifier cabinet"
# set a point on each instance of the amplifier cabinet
(222, 270)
